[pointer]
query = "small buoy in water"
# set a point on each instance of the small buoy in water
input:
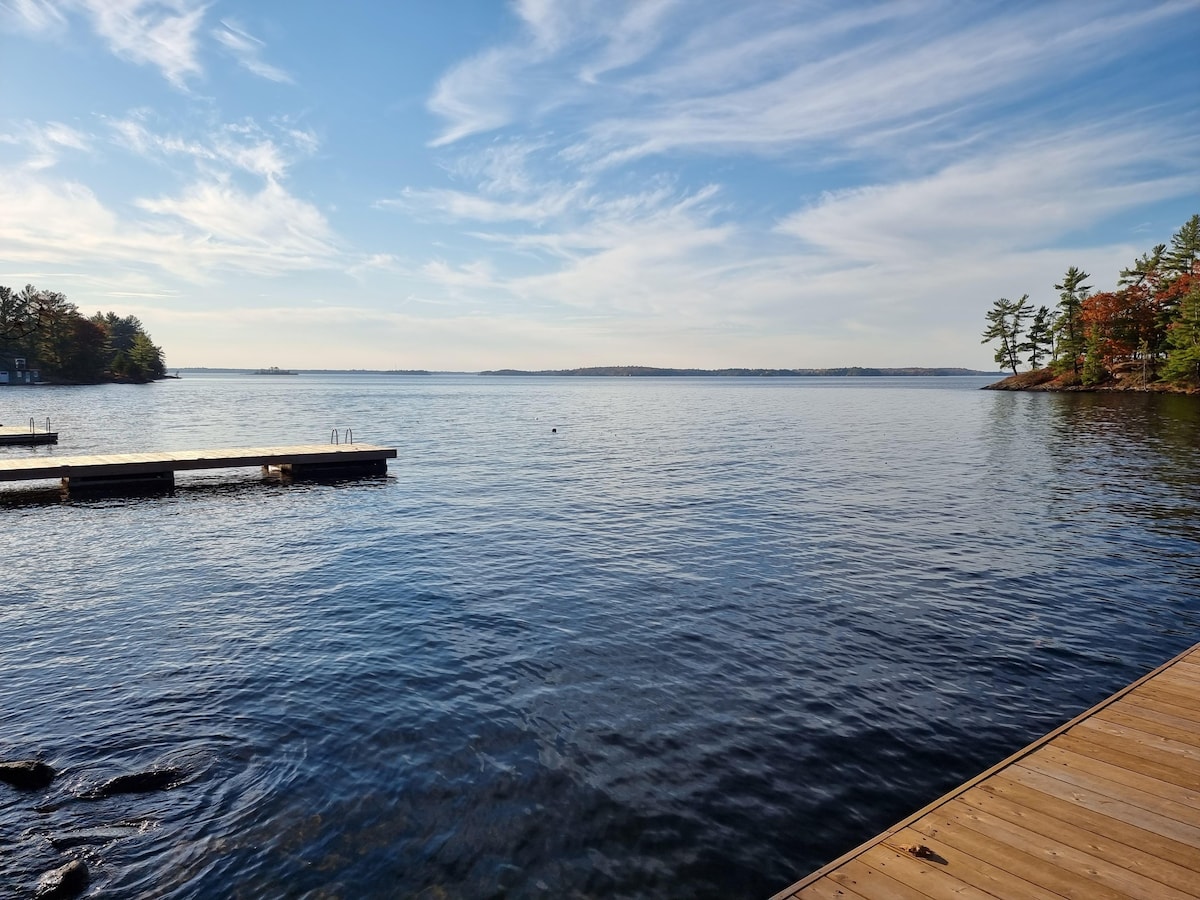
(554, 431)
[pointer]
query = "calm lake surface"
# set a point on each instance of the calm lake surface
(624, 637)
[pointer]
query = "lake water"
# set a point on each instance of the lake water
(661, 638)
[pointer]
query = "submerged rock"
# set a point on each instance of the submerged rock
(65, 881)
(138, 783)
(26, 774)
(103, 834)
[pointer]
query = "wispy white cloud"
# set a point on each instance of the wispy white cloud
(45, 143)
(507, 168)
(373, 263)
(641, 253)
(31, 16)
(265, 231)
(765, 79)
(467, 206)
(539, 71)
(477, 95)
(209, 225)
(165, 34)
(207, 229)
(1020, 196)
(245, 146)
(247, 50)
(161, 33)
(477, 275)
(636, 32)
(852, 94)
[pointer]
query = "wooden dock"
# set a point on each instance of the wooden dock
(142, 471)
(1106, 806)
(15, 434)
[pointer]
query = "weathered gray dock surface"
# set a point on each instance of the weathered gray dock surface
(1106, 806)
(159, 467)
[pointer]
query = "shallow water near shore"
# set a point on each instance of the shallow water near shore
(625, 637)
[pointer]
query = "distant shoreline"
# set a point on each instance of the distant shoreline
(227, 370)
(643, 372)
(640, 371)
(650, 371)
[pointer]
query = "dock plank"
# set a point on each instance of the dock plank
(1141, 860)
(1148, 700)
(1081, 864)
(1069, 760)
(1098, 823)
(1185, 703)
(970, 870)
(1147, 718)
(1105, 806)
(1118, 788)
(929, 878)
(1108, 798)
(1134, 757)
(871, 882)
(1020, 861)
(1145, 742)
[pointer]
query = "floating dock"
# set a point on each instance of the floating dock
(16, 434)
(156, 471)
(1106, 806)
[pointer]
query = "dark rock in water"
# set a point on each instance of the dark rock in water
(83, 837)
(26, 774)
(65, 881)
(137, 783)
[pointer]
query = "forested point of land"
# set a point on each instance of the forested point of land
(639, 371)
(1145, 335)
(54, 338)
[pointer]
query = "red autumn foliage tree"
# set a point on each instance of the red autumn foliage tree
(1121, 325)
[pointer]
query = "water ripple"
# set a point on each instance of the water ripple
(701, 638)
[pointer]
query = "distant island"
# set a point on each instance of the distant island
(644, 371)
(223, 370)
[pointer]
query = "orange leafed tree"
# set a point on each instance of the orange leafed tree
(1121, 325)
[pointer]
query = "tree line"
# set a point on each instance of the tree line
(1146, 331)
(49, 332)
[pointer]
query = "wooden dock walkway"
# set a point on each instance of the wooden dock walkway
(157, 469)
(1106, 806)
(20, 434)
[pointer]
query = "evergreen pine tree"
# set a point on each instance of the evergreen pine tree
(1071, 342)
(1006, 322)
(1183, 340)
(1040, 337)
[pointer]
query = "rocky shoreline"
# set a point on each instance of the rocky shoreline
(1047, 380)
(32, 776)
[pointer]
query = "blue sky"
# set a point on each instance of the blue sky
(536, 184)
